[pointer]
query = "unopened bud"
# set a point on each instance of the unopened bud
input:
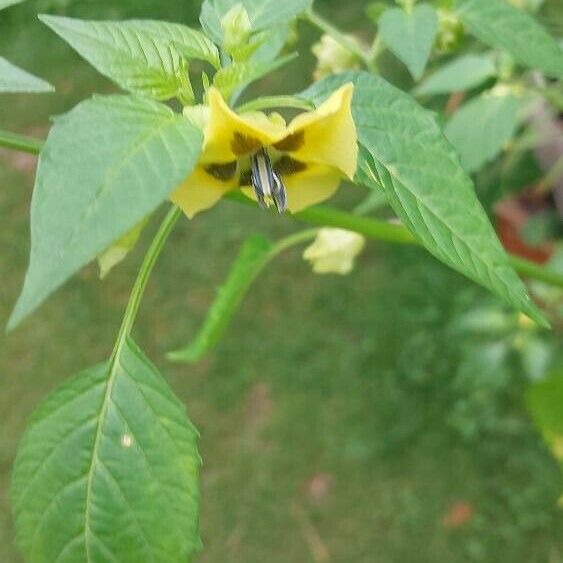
(332, 57)
(450, 32)
(236, 28)
(334, 251)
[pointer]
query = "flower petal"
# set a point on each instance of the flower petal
(201, 190)
(310, 186)
(334, 251)
(229, 136)
(327, 135)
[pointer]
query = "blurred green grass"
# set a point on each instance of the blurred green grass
(326, 411)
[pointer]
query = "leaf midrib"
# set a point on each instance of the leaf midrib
(113, 371)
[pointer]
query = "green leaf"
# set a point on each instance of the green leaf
(500, 25)
(108, 470)
(253, 256)
(463, 73)
(14, 79)
(410, 35)
(239, 75)
(105, 166)
(8, 3)
(142, 56)
(481, 127)
(544, 403)
(264, 14)
(404, 151)
(272, 42)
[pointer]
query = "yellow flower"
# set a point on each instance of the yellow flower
(334, 251)
(309, 157)
(332, 57)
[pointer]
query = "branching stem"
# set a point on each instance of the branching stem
(318, 215)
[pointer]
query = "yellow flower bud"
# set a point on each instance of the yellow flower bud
(332, 57)
(525, 323)
(334, 251)
(450, 32)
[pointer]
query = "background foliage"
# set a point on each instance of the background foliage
(411, 427)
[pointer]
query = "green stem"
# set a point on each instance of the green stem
(376, 50)
(276, 102)
(231, 295)
(535, 271)
(398, 234)
(292, 240)
(371, 228)
(326, 27)
(326, 216)
(140, 285)
(20, 142)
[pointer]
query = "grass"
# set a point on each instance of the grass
(336, 423)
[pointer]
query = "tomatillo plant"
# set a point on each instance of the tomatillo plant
(108, 469)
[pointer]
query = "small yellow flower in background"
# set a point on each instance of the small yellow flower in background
(450, 32)
(334, 251)
(332, 57)
(293, 165)
(525, 323)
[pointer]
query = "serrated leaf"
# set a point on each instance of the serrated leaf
(463, 73)
(481, 127)
(404, 151)
(108, 470)
(503, 26)
(142, 56)
(252, 258)
(239, 75)
(105, 166)
(15, 80)
(264, 14)
(410, 35)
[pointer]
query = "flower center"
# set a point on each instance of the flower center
(267, 183)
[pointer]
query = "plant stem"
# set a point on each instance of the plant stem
(535, 271)
(398, 234)
(140, 284)
(20, 142)
(276, 102)
(371, 228)
(327, 216)
(292, 240)
(228, 299)
(326, 27)
(376, 50)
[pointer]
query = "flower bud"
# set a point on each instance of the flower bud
(236, 28)
(119, 250)
(332, 57)
(334, 251)
(450, 32)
